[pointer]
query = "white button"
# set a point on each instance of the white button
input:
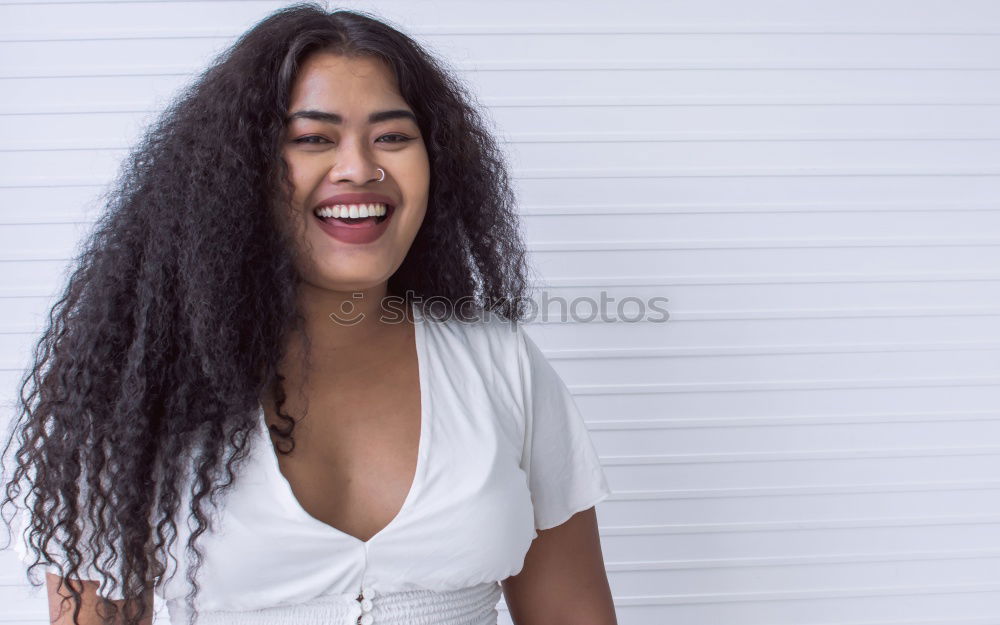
(367, 619)
(366, 605)
(369, 593)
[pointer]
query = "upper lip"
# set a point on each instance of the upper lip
(356, 198)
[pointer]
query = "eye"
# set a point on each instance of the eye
(398, 138)
(305, 140)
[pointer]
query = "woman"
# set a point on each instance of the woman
(319, 236)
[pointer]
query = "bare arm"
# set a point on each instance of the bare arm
(563, 581)
(61, 603)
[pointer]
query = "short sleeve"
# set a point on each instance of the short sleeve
(564, 472)
(56, 549)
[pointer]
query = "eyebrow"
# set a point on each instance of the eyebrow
(333, 118)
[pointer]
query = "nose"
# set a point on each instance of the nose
(353, 164)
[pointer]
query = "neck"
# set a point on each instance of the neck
(351, 333)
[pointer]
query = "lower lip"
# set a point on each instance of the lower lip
(354, 233)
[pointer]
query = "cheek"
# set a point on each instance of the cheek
(418, 174)
(301, 174)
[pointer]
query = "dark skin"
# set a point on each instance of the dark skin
(356, 449)
(563, 581)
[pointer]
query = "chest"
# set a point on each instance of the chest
(356, 450)
(456, 512)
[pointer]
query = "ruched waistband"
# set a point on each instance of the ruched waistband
(475, 605)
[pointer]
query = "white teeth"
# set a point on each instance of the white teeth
(352, 210)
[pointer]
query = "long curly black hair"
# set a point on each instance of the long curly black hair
(147, 377)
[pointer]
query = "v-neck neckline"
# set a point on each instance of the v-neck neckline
(415, 484)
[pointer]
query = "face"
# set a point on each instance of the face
(347, 121)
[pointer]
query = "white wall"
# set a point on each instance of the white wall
(813, 436)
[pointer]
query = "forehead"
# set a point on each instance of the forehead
(332, 81)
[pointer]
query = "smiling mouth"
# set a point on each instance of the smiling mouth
(341, 213)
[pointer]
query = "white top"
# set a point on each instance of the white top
(503, 452)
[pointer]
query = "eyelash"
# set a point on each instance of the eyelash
(403, 139)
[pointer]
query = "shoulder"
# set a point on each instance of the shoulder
(481, 335)
(481, 358)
